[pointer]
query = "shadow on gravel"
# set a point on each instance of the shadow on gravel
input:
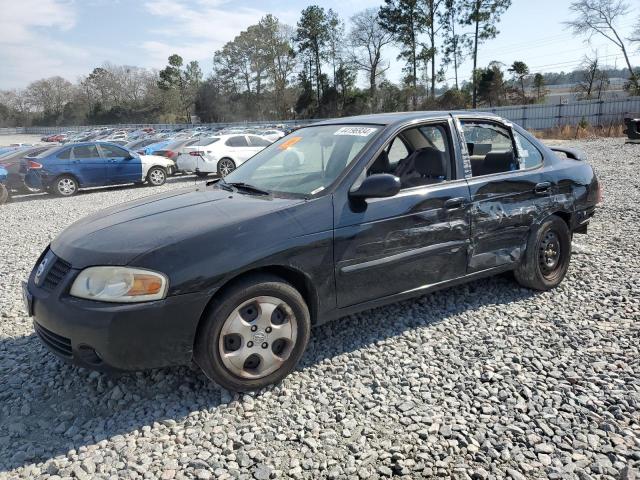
(48, 407)
(181, 180)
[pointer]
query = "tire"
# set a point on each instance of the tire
(225, 167)
(4, 194)
(65, 186)
(202, 174)
(156, 176)
(262, 357)
(546, 259)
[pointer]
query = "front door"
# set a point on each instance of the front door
(88, 166)
(418, 237)
(122, 166)
(508, 191)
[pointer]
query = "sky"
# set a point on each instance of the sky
(42, 38)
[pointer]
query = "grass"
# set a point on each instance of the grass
(568, 132)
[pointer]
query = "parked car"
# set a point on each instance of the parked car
(12, 162)
(137, 145)
(4, 191)
(221, 154)
(172, 150)
(64, 170)
(234, 273)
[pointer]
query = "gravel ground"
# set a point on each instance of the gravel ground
(486, 380)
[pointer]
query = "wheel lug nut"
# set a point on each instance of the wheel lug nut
(249, 344)
(268, 329)
(265, 345)
(254, 328)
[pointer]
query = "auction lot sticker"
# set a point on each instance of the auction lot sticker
(356, 131)
(289, 143)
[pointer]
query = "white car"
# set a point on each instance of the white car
(220, 154)
(156, 169)
(271, 135)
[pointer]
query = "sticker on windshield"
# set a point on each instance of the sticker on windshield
(356, 131)
(289, 143)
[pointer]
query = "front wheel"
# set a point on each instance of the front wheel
(156, 176)
(547, 257)
(225, 167)
(254, 334)
(65, 186)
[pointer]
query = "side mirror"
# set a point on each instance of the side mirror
(380, 185)
(129, 157)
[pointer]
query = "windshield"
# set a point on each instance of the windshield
(305, 162)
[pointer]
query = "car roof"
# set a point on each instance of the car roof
(399, 117)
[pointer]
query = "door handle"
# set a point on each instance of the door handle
(542, 187)
(454, 203)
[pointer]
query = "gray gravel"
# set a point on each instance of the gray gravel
(486, 380)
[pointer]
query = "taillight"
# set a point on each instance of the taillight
(196, 154)
(34, 165)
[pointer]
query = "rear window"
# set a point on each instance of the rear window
(205, 141)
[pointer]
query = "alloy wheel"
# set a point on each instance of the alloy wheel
(66, 186)
(226, 167)
(156, 177)
(258, 337)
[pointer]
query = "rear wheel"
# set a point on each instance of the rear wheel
(4, 194)
(156, 176)
(547, 257)
(254, 334)
(65, 186)
(225, 167)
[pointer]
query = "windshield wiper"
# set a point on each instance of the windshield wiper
(248, 188)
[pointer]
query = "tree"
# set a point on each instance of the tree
(594, 81)
(490, 84)
(455, 46)
(312, 37)
(600, 17)
(278, 41)
(483, 15)
(406, 21)
(539, 84)
(335, 42)
(520, 70)
(49, 96)
(185, 81)
(367, 39)
(432, 10)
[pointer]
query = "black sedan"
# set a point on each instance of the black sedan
(335, 218)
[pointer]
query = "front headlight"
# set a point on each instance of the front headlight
(120, 284)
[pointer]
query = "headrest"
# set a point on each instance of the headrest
(496, 162)
(431, 162)
(382, 164)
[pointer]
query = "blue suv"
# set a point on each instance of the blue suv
(91, 164)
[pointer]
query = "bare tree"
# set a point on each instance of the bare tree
(594, 80)
(599, 17)
(367, 39)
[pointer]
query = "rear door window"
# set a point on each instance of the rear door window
(239, 141)
(530, 156)
(490, 147)
(258, 141)
(85, 151)
(65, 154)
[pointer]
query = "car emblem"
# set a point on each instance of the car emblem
(259, 336)
(40, 271)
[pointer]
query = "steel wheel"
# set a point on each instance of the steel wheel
(225, 167)
(156, 177)
(66, 186)
(258, 337)
(549, 254)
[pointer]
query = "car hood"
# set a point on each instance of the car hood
(117, 235)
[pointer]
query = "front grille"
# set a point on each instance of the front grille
(59, 344)
(56, 273)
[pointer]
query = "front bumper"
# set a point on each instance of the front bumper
(109, 336)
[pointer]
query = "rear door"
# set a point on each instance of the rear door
(88, 166)
(508, 189)
(240, 147)
(122, 166)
